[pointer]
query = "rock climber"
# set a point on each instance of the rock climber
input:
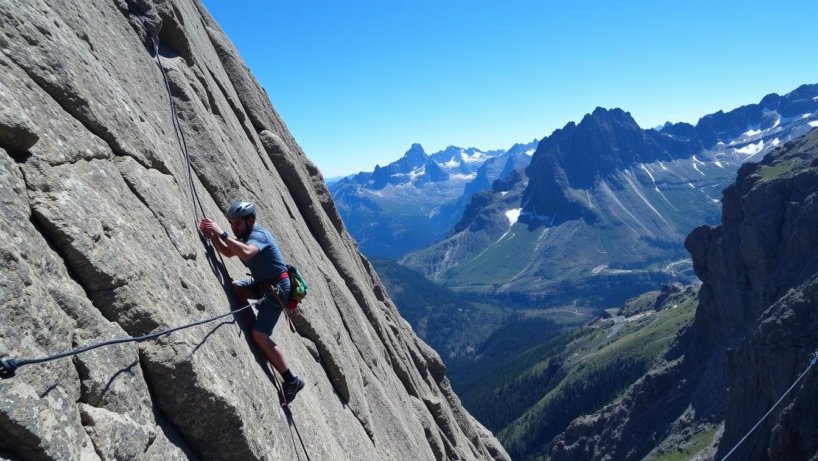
(258, 250)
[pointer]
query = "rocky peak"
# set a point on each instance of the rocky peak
(576, 156)
(523, 148)
(401, 171)
(414, 157)
(100, 207)
(450, 154)
(606, 140)
(603, 141)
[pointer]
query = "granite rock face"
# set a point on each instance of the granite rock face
(99, 210)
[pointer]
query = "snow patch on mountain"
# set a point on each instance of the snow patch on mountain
(477, 157)
(752, 148)
(513, 215)
(638, 191)
(417, 172)
(463, 177)
(642, 165)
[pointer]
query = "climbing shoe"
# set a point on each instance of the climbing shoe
(291, 388)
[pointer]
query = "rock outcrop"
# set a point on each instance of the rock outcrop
(753, 335)
(98, 211)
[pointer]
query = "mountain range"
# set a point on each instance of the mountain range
(601, 212)
(682, 373)
(413, 202)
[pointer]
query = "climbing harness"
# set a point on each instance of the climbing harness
(9, 366)
(811, 363)
(272, 289)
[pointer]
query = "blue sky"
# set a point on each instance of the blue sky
(358, 82)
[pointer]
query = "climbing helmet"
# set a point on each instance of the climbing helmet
(241, 209)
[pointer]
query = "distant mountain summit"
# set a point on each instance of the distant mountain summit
(573, 158)
(415, 200)
(464, 160)
(414, 166)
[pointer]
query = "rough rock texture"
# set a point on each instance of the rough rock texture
(769, 305)
(99, 221)
(755, 328)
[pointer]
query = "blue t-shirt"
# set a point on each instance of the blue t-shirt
(268, 263)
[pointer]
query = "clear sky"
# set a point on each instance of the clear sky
(357, 82)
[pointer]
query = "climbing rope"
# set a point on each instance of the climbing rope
(180, 133)
(282, 397)
(9, 366)
(811, 363)
(285, 405)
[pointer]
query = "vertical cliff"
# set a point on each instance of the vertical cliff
(755, 329)
(98, 216)
(759, 302)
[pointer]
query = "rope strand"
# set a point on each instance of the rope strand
(811, 363)
(9, 366)
(180, 136)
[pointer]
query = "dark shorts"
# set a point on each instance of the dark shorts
(270, 308)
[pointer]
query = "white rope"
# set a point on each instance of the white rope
(811, 363)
